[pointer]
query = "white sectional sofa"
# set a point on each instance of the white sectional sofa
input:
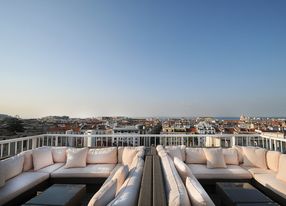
(266, 169)
(31, 169)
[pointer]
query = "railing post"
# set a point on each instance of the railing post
(34, 142)
(232, 141)
(270, 144)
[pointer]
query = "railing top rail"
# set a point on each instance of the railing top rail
(20, 139)
(273, 138)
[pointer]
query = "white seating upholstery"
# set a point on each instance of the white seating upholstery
(255, 170)
(19, 184)
(201, 171)
(271, 182)
(91, 170)
(51, 168)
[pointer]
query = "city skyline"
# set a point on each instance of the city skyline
(161, 58)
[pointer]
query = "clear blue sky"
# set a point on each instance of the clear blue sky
(143, 58)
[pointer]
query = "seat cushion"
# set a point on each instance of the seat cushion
(76, 157)
(195, 156)
(104, 195)
(91, 170)
(201, 171)
(59, 154)
(271, 182)
(256, 170)
(254, 157)
(215, 158)
(272, 159)
(129, 191)
(51, 168)
(175, 188)
(102, 156)
(20, 184)
(42, 157)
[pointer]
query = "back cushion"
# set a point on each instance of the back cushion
(195, 156)
(272, 159)
(254, 157)
(2, 175)
(28, 160)
(239, 153)
(12, 166)
(59, 154)
(103, 155)
(104, 195)
(175, 189)
(140, 150)
(183, 170)
(282, 168)
(230, 156)
(76, 157)
(177, 151)
(42, 157)
(215, 158)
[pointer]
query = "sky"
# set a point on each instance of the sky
(143, 58)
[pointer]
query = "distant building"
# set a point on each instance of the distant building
(129, 130)
(205, 128)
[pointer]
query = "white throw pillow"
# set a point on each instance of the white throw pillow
(272, 159)
(28, 160)
(230, 156)
(215, 158)
(59, 154)
(183, 170)
(12, 166)
(103, 155)
(42, 157)
(127, 155)
(120, 176)
(195, 156)
(104, 195)
(282, 168)
(196, 197)
(76, 157)
(254, 157)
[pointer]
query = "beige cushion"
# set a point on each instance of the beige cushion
(159, 148)
(197, 193)
(120, 176)
(282, 168)
(269, 181)
(201, 171)
(91, 170)
(129, 191)
(272, 159)
(20, 184)
(254, 157)
(195, 156)
(239, 153)
(257, 170)
(175, 189)
(12, 166)
(76, 157)
(140, 149)
(127, 156)
(104, 195)
(103, 155)
(42, 157)
(230, 156)
(51, 168)
(215, 158)
(28, 160)
(183, 170)
(59, 154)
(177, 151)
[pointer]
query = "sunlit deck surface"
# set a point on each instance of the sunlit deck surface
(155, 170)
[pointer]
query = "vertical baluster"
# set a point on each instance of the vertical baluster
(1, 150)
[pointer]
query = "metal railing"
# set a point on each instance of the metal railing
(15, 146)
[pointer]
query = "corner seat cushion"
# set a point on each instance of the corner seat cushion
(51, 168)
(255, 170)
(201, 171)
(20, 184)
(91, 170)
(271, 182)
(129, 191)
